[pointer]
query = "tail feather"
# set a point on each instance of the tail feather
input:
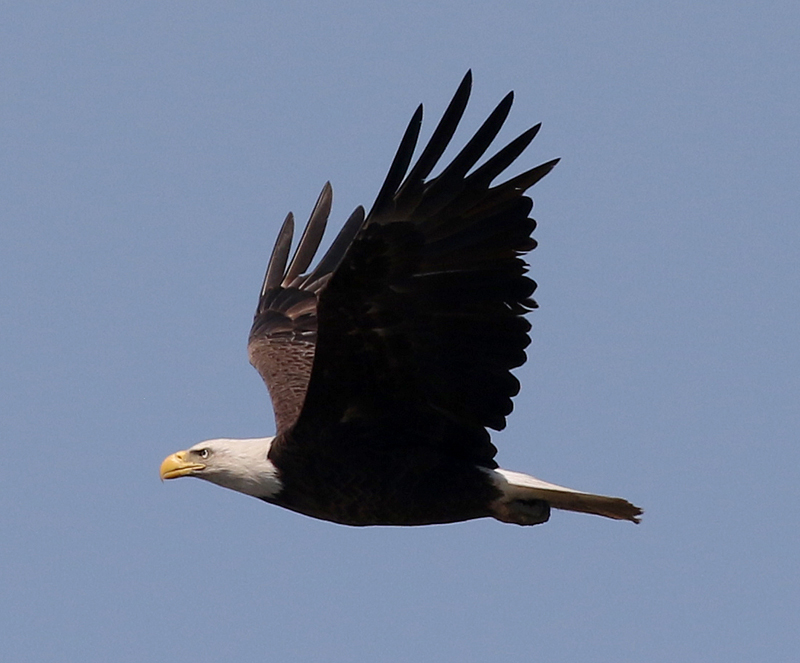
(518, 487)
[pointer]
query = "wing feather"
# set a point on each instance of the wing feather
(280, 255)
(284, 332)
(312, 235)
(420, 316)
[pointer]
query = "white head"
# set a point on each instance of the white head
(240, 465)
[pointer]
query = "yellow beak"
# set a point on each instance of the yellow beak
(177, 465)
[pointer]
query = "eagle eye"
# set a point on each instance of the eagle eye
(203, 453)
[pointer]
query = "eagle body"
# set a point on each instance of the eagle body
(389, 360)
(382, 481)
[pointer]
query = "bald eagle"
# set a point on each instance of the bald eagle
(388, 361)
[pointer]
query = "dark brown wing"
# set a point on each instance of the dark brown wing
(284, 331)
(422, 321)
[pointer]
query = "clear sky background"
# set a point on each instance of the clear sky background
(149, 152)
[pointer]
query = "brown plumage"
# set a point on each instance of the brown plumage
(390, 359)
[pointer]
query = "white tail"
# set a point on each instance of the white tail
(519, 489)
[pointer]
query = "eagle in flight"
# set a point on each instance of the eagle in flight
(388, 361)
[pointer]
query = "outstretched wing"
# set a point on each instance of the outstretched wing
(421, 321)
(284, 331)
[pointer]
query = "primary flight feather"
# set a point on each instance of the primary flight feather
(388, 361)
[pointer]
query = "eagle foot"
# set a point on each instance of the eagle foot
(523, 512)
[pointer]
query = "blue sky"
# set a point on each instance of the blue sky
(150, 151)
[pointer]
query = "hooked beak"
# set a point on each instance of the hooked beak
(177, 465)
